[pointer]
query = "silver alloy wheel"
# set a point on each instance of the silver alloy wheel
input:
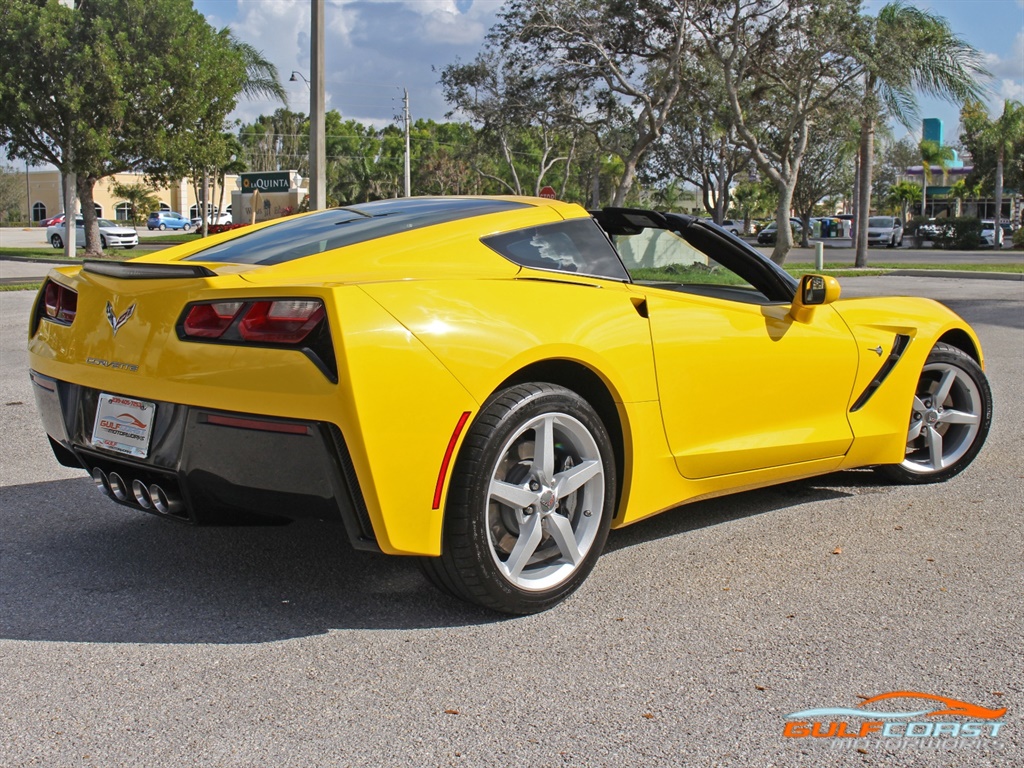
(945, 420)
(544, 506)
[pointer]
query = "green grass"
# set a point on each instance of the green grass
(174, 238)
(56, 254)
(697, 274)
(4, 287)
(1016, 268)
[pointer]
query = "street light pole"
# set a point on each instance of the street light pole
(317, 123)
(408, 183)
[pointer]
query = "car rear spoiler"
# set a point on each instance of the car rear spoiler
(131, 270)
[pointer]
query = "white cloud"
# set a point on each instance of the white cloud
(1007, 74)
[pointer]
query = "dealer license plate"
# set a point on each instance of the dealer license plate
(123, 425)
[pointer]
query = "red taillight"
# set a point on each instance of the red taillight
(209, 321)
(60, 303)
(281, 322)
(278, 321)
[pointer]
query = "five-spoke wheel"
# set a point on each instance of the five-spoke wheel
(949, 419)
(530, 503)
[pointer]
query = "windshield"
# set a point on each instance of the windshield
(880, 221)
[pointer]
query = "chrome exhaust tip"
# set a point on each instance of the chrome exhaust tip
(118, 487)
(100, 479)
(141, 493)
(163, 502)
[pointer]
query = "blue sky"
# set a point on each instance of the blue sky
(374, 48)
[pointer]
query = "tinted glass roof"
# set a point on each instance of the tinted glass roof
(338, 227)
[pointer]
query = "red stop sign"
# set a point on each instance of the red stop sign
(548, 192)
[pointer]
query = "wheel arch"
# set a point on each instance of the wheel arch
(959, 338)
(582, 380)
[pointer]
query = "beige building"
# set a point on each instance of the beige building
(45, 198)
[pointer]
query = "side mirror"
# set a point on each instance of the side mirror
(813, 291)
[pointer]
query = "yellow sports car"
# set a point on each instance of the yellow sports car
(480, 382)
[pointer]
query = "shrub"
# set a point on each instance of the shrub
(959, 234)
(216, 229)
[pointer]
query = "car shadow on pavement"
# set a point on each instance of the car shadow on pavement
(74, 567)
(724, 509)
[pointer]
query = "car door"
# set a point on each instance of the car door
(742, 384)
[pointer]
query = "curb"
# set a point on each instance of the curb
(1018, 276)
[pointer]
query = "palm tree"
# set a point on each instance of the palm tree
(1004, 133)
(261, 81)
(931, 155)
(261, 76)
(908, 50)
(902, 195)
(962, 191)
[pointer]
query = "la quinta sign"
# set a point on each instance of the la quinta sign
(275, 181)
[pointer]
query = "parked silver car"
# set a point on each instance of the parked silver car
(111, 235)
(885, 230)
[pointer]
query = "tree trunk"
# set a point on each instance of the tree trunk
(997, 234)
(784, 233)
(924, 190)
(93, 247)
(856, 196)
(867, 152)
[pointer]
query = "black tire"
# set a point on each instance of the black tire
(103, 242)
(949, 433)
(163, 227)
(186, 227)
(56, 241)
(528, 556)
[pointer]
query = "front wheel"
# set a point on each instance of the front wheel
(530, 501)
(949, 420)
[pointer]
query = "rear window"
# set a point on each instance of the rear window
(338, 227)
(578, 246)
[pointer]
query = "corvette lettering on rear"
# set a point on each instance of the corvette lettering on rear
(116, 365)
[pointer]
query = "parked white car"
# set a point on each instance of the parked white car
(988, 233)
(216, 218)
(111, 235)
(885, 230)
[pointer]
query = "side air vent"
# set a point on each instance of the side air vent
(899, 346)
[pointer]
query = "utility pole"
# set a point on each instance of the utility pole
(317, 122)
(408, 183)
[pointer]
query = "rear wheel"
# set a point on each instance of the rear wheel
(949, 420)
(163, 227)
(56, 241)
(530, 503)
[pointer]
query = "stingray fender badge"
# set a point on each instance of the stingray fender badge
(116, 321)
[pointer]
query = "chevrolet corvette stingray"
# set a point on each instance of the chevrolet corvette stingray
(479, 382)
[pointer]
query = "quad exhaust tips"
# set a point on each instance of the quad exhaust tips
(150, 497)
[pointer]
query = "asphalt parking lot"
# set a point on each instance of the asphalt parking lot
(126, 640)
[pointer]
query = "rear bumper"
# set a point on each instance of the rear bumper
(215, 466)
